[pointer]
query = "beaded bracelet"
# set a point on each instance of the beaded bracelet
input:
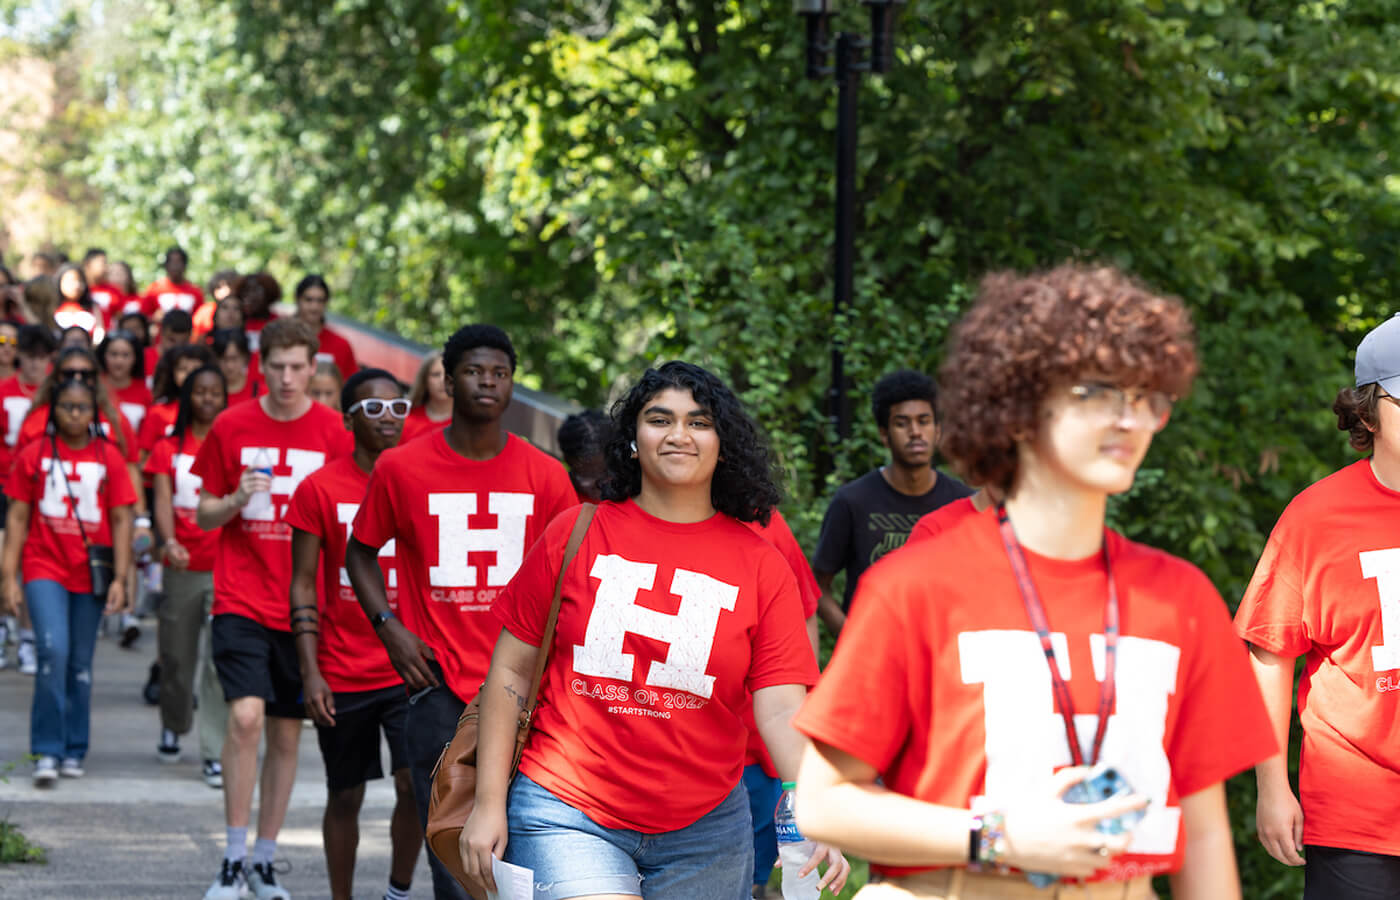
(990, 840)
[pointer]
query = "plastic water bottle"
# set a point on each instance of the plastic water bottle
(260, 504)
(794, 850)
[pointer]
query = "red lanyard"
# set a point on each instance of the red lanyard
(1036, 611)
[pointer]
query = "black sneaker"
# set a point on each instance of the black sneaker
(169, 747)
(151, 692)
(229, 883)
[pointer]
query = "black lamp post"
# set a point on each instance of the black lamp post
(844, 59)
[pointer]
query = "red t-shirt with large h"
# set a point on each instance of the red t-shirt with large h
(1328, 588)
(15, 399)
(939, 681)
(348, 652)
(133, 400)
(164, 295)
(176, 462)
(462, 528)
(253, 570)
(665, 631)
(98, 480)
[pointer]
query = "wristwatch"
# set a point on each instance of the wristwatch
(380, 618)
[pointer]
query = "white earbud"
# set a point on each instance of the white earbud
(634, 446)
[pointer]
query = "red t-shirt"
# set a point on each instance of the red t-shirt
(665, 631)
(165, 295)
(940, 683)
(253, 328)
(110, 299)
(253, 569)
(941, 519)
(15, 399)
(159, 419)
(35, 422)
(253, 388)
(1328, 588)
(781, 537)
(71, 315)
(348, 652)
(418, 423)
(97, 475)
(336, 349)
(168, 459)
(133, 400)
(456, 547)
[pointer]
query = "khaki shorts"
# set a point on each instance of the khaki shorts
(960, 884)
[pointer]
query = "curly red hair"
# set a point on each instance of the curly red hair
(1027, 334)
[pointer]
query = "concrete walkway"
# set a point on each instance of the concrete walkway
(134, 827)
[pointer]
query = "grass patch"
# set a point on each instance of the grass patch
(16, 848)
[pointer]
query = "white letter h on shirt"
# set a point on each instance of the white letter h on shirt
(690, 632)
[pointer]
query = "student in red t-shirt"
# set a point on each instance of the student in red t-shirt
(174, 367)
(258, 293)
(36, 349)
(106, 295)
(351, 689)
(940, 750)
(462, 505)
(173, 291)
(313, 295)
(230, 348)
(68, 492)
(188, 554)
(583, 437)
(9, 349)
(252, 462)
(675, 617)
(1328, 589)
(121, 360)
(76, 308)
(432, 405)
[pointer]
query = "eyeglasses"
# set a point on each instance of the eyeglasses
(6, 340)
(374, 408)
(74, 409)
(81, 374)
(1109, 403)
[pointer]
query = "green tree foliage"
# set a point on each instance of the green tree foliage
(618, 181)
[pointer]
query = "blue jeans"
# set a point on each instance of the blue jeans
(764, 793)
(573, 856)
(65, 636)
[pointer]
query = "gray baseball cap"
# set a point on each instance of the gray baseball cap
(1378, 357)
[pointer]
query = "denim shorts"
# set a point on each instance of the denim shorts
(573, 856)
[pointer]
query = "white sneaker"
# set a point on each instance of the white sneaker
(71, 768)
(45, 771)
(169, 747)
(228, 884)
(262, 881)
(28, 657)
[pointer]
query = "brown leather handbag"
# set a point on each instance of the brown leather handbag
(454, 776)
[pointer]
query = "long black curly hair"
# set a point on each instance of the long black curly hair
(745, 483)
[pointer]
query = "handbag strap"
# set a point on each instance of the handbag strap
(58, 464)
(585, 516)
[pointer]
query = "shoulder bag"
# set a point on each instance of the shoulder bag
(454, 776)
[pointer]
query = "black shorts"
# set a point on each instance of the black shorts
(1335, 874)
(255, 661)
(350, 748)
(4, 509)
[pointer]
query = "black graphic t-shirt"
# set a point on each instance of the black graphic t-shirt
(867, 519)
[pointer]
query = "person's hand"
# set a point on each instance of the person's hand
(1046, 834)
(13, 596)
(116, 599)
(837, 868)
(176, 554)
(249, 483)
(409, 654)
(1279, 824)
(320, 702)
(483, 836)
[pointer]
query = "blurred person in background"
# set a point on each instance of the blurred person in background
(313, 295)
(432, 405)
(174, 291)
(124, 366)
(9, 348)
(582, 439)
(220, 288)
(76, 308)
(231, 351)
(258, 293)
(326, 384)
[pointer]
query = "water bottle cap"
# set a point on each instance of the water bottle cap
(789, 785)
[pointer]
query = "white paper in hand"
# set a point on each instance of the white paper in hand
(512, 882)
